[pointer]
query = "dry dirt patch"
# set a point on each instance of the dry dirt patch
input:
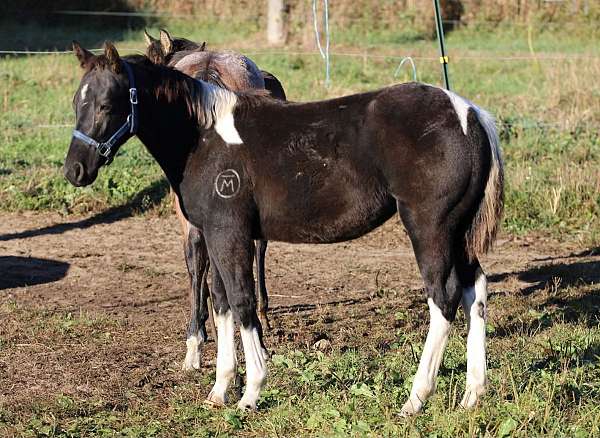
(97, 311)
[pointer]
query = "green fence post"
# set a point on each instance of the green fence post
(440, 33)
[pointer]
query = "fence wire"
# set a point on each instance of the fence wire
(364, 55)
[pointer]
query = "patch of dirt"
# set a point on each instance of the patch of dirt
(111, 297)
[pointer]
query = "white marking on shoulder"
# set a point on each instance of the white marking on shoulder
(225, 127)
(216, 111)
(461, 106)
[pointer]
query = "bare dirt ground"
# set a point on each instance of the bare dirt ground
(96, 309)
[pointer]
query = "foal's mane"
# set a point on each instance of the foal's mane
(204, 102)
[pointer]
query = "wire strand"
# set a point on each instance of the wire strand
(324, 53)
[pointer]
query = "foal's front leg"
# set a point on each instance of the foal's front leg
(226, 356)
(234, 256)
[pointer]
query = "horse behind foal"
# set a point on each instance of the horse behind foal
(317, 172)
(227, 69)
(235, 72)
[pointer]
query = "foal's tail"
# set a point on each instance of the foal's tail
(482, 232)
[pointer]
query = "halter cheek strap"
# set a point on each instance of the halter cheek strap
(107, 148)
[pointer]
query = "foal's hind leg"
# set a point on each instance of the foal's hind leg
(434, 256)
(263, 297)
(474, 302)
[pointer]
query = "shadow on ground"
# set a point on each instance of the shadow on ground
(29, 271)
(145, 200)
(569, 292)
(559, 275)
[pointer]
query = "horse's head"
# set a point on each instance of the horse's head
(105, 111)
(161, 50)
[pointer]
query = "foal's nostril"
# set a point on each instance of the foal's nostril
(75, 173)
(78, 172)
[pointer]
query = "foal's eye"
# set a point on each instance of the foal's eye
(104, 108)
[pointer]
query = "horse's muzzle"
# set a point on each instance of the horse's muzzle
(75, 174)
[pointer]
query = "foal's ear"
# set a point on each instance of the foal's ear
(114, 60)
(149, 39)
(166, 41)
(84, 56)
(203, 46)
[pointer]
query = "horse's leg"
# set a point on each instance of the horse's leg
(263, 298)
(234, 255)
(211, 312)
(226, 355)
(474, 302)
(197, 263)
(433, 249)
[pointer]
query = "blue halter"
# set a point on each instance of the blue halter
(107, 148)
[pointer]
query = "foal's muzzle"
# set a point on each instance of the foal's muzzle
(77, 175)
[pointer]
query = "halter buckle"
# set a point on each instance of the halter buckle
(104, 149)
(133, 98)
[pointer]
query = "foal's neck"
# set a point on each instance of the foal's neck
(168, 127)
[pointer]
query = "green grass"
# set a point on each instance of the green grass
(552, 147)
(544, 380)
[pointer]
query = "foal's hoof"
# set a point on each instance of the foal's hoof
(471, 396)
(191, 363)
(411, 408)
(264, 322)
(246, 406)
(193, 355)
(215, 400)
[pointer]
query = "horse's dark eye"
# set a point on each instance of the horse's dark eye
(104, 107)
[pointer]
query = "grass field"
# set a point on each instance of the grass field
(549, 109)
(544, 344)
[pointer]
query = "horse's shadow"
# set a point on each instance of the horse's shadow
(29, 271)
(561, 275)
(560, 303)
(143, 201)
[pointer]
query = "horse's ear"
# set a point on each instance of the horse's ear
(203, 46)
(166, 41)
(114, 60)
(149, 39)
(84, 56)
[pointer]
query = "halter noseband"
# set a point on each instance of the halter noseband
(106, 148)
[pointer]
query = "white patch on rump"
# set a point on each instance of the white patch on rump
(461, 106)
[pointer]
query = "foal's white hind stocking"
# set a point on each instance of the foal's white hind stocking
(474, 303)
(226, 359)
(431, 358)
